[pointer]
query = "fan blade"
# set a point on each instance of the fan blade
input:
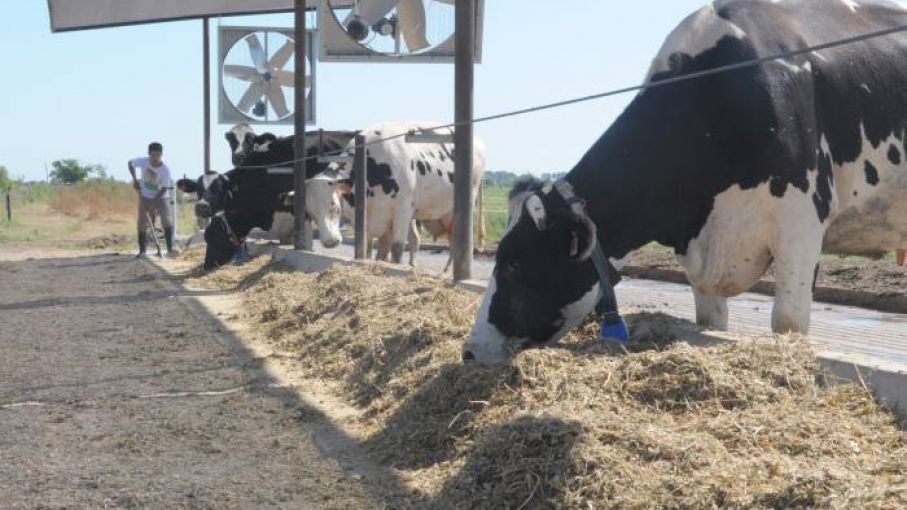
(288, 78)
(370, 11)
(256, 90)
(282, 56)
(244, 73)
(258, 53)
(275, 97)
(411, 14)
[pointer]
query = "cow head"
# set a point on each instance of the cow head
(544, 283)
(214, 196)
(323, 200)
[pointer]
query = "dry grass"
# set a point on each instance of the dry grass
(666, 425)
(96, 201)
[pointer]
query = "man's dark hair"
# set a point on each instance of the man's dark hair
(155, 147)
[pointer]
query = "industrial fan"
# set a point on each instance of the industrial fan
(387, 28)
(258, 75)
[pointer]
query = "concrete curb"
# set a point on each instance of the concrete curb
(886, 380)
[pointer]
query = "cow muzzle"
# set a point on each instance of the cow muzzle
(203, 209)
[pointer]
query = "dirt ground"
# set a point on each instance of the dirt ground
(876, 276)
(113, 394)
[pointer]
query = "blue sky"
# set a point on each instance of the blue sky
(100, 96)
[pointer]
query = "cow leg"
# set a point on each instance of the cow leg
(796, 256)
(413, 242)
(403, 220)
(711, 311)
(383, 247)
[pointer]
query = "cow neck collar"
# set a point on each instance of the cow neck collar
(231, 234)
(607, 305)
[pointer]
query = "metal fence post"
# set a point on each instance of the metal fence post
(9, 208)
(302, 238)
(361, 188)
(461, 250)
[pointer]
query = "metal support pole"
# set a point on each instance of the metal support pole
(9, 208)
(302, 239)
(206, 80)
(361, 188)
(463, 84)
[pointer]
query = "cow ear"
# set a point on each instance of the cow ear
(536, 210)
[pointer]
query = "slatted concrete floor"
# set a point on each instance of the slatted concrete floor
(856, 331)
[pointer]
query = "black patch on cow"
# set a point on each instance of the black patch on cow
(412, 165)
(824, 179)
(440, 173)
(872, 175)
(377, 133)
(350, 198)
(855, 193)
(894, 155)
(777, 186)
(525, 184)
(441, 157)
(450, 175)
(421, 167)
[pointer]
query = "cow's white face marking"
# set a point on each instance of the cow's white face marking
(244, 141)
(323, 206)
(536, 211)
(850, 5)
(697, 33)
(486, 344)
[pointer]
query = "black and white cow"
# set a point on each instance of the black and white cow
(249, 197)
(734, 171)
(410, 181)
(248, 148)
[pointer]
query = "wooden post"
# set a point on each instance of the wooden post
(9, 208)
(361, 188)
(302, 239)
(463, 85)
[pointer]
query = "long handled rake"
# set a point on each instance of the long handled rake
(154, 233)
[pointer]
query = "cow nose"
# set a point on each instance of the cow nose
(468, 356)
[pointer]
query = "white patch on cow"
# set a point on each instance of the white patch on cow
(536, 211)
(850, 4)
(869, 219)
(485, 343)
(793, 67)
(575, 313)
(262, 147)
(697, 33)
(282, 227)
(207, 179)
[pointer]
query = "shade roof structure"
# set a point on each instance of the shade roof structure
(69, 15)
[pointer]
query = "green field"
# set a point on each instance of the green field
(495, 211)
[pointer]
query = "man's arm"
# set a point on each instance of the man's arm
(135, 182)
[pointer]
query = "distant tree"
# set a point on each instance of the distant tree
(6, 184)
(71, 171)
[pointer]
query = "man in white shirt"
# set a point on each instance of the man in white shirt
(154, 194)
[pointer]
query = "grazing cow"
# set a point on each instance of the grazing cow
(249, 197)
(409, 181)
(243, 199)
(733, 170)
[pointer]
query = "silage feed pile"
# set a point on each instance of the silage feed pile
(666, 425)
